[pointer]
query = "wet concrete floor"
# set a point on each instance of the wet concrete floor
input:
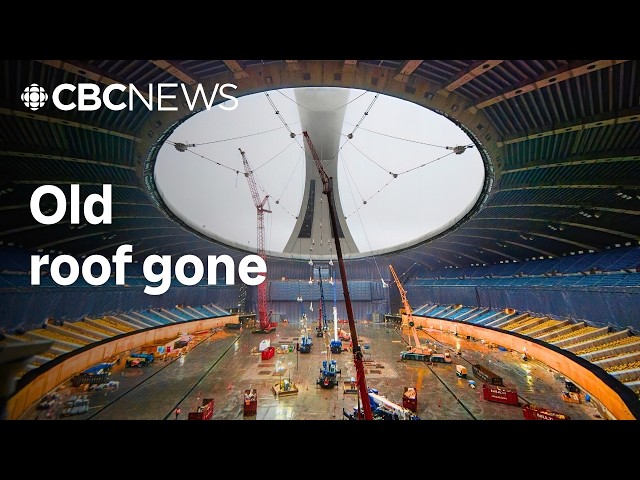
(223, 363)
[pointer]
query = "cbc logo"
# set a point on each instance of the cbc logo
(34, 96)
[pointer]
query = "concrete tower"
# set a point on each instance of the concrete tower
(321, 116)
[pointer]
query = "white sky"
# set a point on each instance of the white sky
(217, 201)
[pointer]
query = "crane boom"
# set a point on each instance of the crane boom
(327, 184)
(417, 348)
(265, 321)
(322, 320)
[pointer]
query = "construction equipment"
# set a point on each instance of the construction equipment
(533, 412)
(202, 412)
(250, 402)
(329, 371)
(500, 394)
(322, 313)
(306, 343)
(410, 398)
(383, 409)
(486, 375)
(336, 344)
(265, 319)
(417, 352)
(327, 189)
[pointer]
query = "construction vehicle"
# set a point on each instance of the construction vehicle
(336, 344)
(148, 357)
(570, 397)
(344, 336)
(327, 189)
(417, 351)
(329, 371)
(322, 313)
(135, 362)
(382, 409)
(461, 371)
(306, 343)
(263, 317)
(423, 357)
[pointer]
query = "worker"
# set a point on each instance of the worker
(178, 411)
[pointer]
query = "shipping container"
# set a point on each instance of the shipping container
(410, 399)
(90, 378)
(486, 375)
(250, 402)
(204, 411)
(533, 412)
(500, 394)
(268, 353)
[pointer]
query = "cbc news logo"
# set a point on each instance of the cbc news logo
(34, 96)
(163, 97)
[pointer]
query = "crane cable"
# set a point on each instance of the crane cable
(236, 171)
(290, 177)
(276, 155)
(401, 138)
(228, 139)
(360, 218)
(353, 100)
(364, 115)
(275, 109)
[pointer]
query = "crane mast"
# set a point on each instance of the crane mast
(322, 313)
(327, 189)
(264, 318)
(417, 348)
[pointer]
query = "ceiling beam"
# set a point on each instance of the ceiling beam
(572, 161)
(550, 237)
(66, 182)
(68, 222)
(456, 253)
(557, 186)
(476, 70)
(571, 224)
(69, 123)
(407, 69)
(236, 69)
(528, 247)
(92, 73)
(629, 115)
(164, 245)
(62, 158)
(292, 65)
(555, 205)
(169, 67)
(547, 80)
(491, 250)
(26, 205)
(349, 66)
(460, 253)
(106, 232)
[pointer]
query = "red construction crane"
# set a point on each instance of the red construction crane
(417, 347)
(327, 189)
(265, 318)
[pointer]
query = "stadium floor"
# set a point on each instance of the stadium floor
(223, 363)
